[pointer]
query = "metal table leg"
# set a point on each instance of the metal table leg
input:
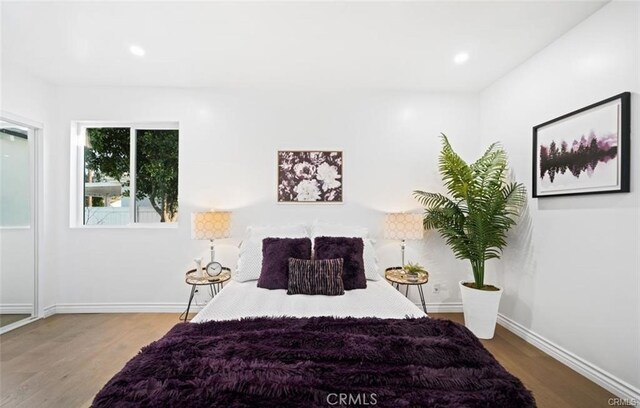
(193, 291)
(424, 304)
(406, 291)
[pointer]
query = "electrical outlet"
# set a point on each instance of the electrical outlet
(436, 288)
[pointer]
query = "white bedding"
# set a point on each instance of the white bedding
(245, 299)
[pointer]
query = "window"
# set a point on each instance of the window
(129, 173)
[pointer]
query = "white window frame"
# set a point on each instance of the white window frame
(78, 137)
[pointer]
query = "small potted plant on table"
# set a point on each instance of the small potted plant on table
(413, 270)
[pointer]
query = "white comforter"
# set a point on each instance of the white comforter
(245, 299)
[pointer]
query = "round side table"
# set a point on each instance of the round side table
(397, 276)
(195, 279)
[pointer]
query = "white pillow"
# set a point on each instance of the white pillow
(323, 229)
(250, 257)
(370, 261)
(285, 231)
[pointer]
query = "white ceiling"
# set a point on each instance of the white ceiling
(394, 45)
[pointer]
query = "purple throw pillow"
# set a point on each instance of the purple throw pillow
(351, 251)
(275, 260)
(319, 277)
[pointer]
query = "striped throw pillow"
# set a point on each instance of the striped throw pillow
(315, 277)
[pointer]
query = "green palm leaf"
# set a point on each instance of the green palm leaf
(481, 207)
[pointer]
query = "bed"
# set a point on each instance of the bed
(255, 347)
(252, 347)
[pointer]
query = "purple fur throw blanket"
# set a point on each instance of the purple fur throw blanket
(315, 362)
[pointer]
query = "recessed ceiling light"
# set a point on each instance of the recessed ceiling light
(461, 58)
(137, 50)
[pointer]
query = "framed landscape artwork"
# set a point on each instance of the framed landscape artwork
(310, 176)
(585, 151)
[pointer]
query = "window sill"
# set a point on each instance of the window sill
(173, 225)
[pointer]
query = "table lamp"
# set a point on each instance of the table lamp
(403, 226)
(211, 225)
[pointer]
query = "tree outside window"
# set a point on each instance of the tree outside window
(107, 175)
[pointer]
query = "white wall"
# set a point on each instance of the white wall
(228, 145)
(571, 273)
(25, 97)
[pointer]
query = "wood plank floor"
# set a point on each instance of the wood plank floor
(7, 319)
(64, 360)
(554, 385)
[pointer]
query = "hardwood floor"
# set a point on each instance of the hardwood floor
(64, 360)
(553, 384)
(7, 319)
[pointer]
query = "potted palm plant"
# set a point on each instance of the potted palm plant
(481, 206)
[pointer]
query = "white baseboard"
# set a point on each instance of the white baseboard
(16, 308)
(65, 308)
(601, 377)
(451, 307)
(49, 311)
(68, 308)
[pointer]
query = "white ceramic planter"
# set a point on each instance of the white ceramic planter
(480, 310)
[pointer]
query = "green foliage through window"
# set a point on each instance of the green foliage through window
(157, 170)
(108, 162)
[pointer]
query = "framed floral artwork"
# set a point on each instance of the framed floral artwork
(309, 176)
(585, 151)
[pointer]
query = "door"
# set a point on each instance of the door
(17, 225)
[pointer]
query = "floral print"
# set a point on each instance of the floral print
(304, 170)
(309, 176)
(307, 190)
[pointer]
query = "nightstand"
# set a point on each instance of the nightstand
(195, 279)
(397, 276)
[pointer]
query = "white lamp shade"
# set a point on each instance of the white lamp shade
(403, 226)
(210, 225)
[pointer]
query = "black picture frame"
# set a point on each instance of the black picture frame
(576, 165)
